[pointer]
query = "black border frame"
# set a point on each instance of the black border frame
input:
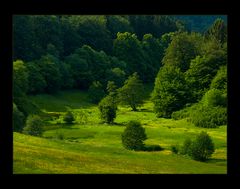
(189, 7)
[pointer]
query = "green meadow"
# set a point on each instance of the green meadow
(89, 146)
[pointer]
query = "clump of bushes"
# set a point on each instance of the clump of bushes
(69, 117)
(133, 136)
(199, 149)
(184, 113)
(107, 108)
(174, 149)
(209, 117)
(33, 126)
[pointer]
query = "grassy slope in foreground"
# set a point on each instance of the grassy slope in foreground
(97, 148)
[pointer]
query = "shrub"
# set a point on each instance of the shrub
(82, 116)
(33, 126)
(202, 147)
(133, 136)
(174, 149)
(209, 117)
(185, 112)
(214, 97)
(186, 147)
(69, 117)
(107, 108)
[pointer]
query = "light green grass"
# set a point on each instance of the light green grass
(96, 148)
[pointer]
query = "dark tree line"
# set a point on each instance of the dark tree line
(52, 53)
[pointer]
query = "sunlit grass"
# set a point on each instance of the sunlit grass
(94, 147)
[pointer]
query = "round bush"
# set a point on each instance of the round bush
(202, 148)
(33, 126)
(68, 117)
(133, 136)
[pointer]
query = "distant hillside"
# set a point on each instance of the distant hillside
(200, 23)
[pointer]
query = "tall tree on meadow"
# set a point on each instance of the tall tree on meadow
(107, 108)
(132, 92)
(170, 91)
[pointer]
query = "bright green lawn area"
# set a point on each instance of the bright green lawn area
(96, 148)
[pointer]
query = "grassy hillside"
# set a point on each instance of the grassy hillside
(96, 148)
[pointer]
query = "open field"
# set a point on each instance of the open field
(93, 147)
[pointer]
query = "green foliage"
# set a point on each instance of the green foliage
(209, 117)
(117, 75)
(170, 91)
(202, 70)
(20, 78)
(153, 52)
(185, 112)
(133, 136)
(156, 25)
(220, 80)
(82, 117)
(67, 81)
(18, 119)
(26, 106)
(33, 126)
(125, 43)
(213, 98)
(174, 149)
(182, 49)
(92, 30)
(37, 82)
(199, 23)
(111, 88)
(50, 71)
(202, 147)
(79, 70)
(96, 92)
(132, 92)
(117, 24)
(107, 108)
(69, 117)
(218, 31)
(186, 148)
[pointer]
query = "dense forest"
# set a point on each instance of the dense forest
(52, 53)
(113, 58)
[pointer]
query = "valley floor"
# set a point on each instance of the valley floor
(93, 147)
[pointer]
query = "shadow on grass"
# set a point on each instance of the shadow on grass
(218, 161)
(119, 124)
(152, 148)
(145, 110)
